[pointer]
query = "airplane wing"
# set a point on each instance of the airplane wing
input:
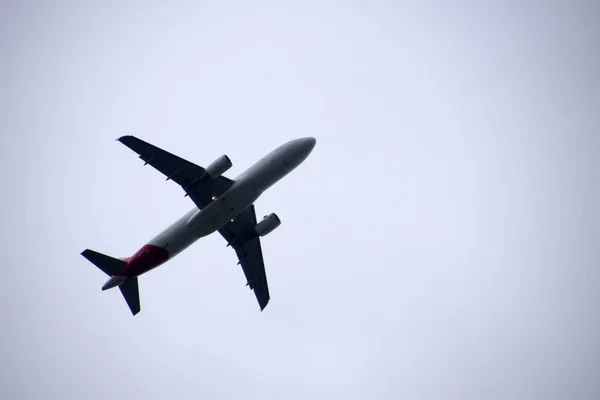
(239, 234)
(191, 177)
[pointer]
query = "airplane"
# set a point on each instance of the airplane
(221, 204)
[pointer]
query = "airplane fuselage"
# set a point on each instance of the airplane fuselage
(197, 223)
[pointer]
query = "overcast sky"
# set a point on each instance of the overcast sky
(441, 241)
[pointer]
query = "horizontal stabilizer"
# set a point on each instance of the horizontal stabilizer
(109, 265)
(131, 292)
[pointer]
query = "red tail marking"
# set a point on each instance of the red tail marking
(146, 258)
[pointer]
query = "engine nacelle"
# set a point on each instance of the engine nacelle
(267, 225)
(218, 167)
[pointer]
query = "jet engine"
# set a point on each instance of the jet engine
(267, 225)
(219, 166)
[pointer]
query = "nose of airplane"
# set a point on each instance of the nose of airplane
(310, 143)
(296, 151)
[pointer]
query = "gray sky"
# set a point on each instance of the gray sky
(439, 242)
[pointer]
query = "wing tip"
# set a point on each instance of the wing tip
(124, 138)
(263, 305)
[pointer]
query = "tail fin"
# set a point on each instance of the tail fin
(110, 266)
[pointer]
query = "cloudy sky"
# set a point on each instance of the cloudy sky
(441, 241)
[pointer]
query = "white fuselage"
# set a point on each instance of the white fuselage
(246, 188)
